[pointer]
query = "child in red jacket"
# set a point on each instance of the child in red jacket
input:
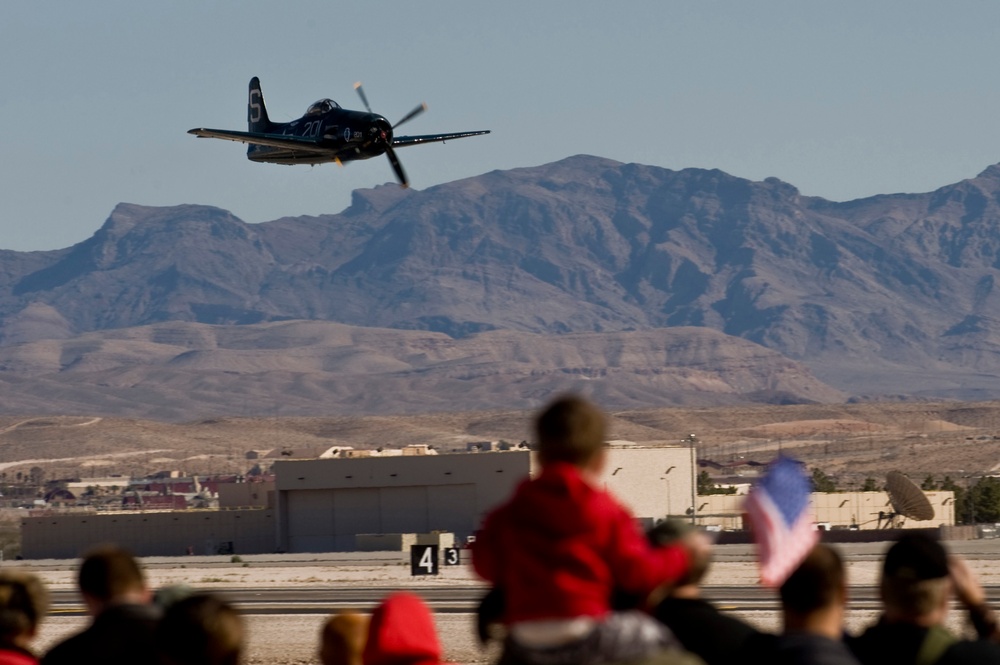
(560, 546)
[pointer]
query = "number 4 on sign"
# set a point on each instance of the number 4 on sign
(423, 560)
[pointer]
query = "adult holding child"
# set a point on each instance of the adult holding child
(561, 545)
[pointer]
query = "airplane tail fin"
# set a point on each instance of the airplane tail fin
(257, 120)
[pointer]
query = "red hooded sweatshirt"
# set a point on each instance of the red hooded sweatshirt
(559, 547)
(402, 632)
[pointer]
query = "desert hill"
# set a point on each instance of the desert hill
(891, 295)
(848, 441)
(185, 371)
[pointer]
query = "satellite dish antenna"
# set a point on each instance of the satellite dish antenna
(907, 500)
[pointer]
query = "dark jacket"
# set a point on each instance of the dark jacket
(718, 638)
(809, 649)
(902, 643)
(120, 634)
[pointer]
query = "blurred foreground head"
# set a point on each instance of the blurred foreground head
(915, 578)
(23, 603)
(342, 639)
(402, 632)
(201, 629)
(673, 531)
(818, 583)
(110, 574)
(570, 429)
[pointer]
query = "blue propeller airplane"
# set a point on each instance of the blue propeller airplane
(326, 133)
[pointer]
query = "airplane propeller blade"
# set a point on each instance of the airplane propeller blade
(411, 115)
(397, 167)
(361, 92)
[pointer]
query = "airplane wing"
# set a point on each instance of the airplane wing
(403, 141)
(258, 138)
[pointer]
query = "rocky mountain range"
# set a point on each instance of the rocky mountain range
(889, 295)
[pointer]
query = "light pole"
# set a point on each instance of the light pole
(692, 441)
(665, 479)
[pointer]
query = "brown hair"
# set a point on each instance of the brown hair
(23, 602)
(109, 572)
(818, 582)
(201, 629)
(570, 429)
(342, 639)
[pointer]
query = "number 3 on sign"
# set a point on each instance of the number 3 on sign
(451, 556)
(424, 560)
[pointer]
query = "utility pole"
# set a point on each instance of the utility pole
(692, 441)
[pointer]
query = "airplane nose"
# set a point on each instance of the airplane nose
(383, 130)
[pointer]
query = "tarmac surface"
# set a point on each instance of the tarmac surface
(285, 597)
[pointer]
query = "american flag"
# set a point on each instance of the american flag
(779, 512)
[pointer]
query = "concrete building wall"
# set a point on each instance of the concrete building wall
(323, 504)
(150, 534)
(837, 509)
(654, 482)
(246, 495)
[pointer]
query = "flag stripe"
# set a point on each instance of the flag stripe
(781, 520)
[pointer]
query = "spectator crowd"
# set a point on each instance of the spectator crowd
(573, 581)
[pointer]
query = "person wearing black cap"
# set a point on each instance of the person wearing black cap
(918, 579)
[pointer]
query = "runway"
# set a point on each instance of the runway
(462, 597)
(458, 599)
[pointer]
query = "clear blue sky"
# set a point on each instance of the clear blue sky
(841, 99)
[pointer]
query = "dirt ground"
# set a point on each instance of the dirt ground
(292, 639)
(847, 441)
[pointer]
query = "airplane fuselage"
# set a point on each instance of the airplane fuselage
(343, 135)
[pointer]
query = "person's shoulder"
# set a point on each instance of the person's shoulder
(803, 649)
(714, 635)
(700, 612)
(70, 651)
(128, 614)
(669, 657)
(602, 502)
(563, 487)
(965, 652)
(882, 640)
(16, 657)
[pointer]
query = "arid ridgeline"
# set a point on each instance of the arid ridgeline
(848, 442)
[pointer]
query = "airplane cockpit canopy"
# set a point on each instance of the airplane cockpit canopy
(322, 106)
